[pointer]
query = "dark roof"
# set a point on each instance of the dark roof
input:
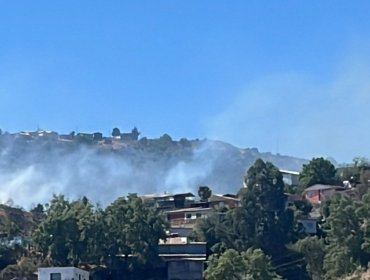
(319, 187)
(166, 195)
(189, 194)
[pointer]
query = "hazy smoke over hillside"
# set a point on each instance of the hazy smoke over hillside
(31, 172)
(31, 175)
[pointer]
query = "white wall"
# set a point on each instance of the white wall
(67, 273)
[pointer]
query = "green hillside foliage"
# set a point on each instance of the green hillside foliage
(260, 239)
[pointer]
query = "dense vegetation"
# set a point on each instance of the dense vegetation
(260, 239)
(264, 230)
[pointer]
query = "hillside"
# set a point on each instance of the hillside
(33, 166)
(15, 221)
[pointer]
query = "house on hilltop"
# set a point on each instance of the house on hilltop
(38, 134)
(319, 192)
(131, 136)
(169, 201)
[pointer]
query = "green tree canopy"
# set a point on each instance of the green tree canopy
(133, 230)
(204, 193)
(64, 234)
(116, 132)
(317, 171)
(123, 236)
(262, 220)
(248, 265)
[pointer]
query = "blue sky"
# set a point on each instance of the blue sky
(284, 76)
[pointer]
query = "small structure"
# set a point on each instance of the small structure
(85, 136)
(169, 201)
(309, 225)
(290, 177)
(219, 201)
(188, 215)
(132, 136)
(62, 273)
(184, 259)
(319, 192)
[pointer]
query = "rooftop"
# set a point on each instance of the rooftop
(193, 209)
(318, 187)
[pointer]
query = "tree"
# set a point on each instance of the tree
(131, 229)
(263, 217)
(24, 269)
(344, 237)
(249, 265)
(116, 132)
(135, 133)
(38, 213)
(229, 265)
(262, 220)
(64, 234)
(313, 250)
(317, 171)
(123, 237)
(204, 193)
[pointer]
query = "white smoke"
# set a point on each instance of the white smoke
(295, 114)
(185, 175)
(100, 175)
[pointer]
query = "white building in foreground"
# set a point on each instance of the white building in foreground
(62, 273)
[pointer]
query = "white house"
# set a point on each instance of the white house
(62, 273)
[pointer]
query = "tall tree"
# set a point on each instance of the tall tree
(132, 233)
(344, 237)
(264, 218)
(317, 171)
(204, 193)
(261, 221)
(116, 132)
(63, 235)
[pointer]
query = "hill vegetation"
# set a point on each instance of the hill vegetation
(261, 238)
(41, 163)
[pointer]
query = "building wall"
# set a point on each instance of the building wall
(190, 248)
(309, 225)
(193, 215)
(181, 231)
(185, 270)
(66, 273)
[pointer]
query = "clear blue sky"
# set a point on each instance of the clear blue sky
(284, 76)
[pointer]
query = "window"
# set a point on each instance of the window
(188, 215)
(55, 276)
(199, 215)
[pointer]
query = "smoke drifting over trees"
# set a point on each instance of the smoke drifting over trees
(31, 171)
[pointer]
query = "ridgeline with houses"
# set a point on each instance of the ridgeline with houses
(121, 163)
